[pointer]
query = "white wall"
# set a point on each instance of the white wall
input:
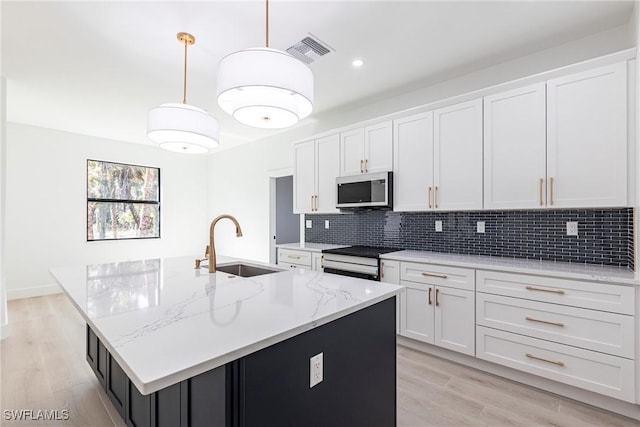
(4, 323)
(46, 205)
(239, 177)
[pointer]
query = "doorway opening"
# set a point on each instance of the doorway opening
(284, 224)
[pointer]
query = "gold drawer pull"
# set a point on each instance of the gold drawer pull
(442, 276)
(541, 185)
(429, 296)
(555, 362)
(361, 166)
(555, 291)
(429, 197)
(294, 256)
(551, 190)
(437, 297)
(436, 198)
(548, 322)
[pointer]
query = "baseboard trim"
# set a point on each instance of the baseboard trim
(35, 291)
(604, 402)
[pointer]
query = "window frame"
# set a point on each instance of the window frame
(148, 202)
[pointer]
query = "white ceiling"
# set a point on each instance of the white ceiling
(97, 67)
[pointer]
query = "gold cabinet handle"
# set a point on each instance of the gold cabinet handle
(311, 203)
(551, 190)
(541, 187)
(429, 296)
(366, 165)
(436, 197)
(294, 256)
(429, 198)
(548, 322)
(382, 270)
(316, 204)
(442, 276)
(531, 356)
(361, 166)
(437, 297)
(555, 291)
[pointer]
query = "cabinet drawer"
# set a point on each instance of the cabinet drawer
(597, 296)
(601, 373)
(590, 329)
(452, 277)
(300, 258)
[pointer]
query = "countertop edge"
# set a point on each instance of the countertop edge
(503, 265)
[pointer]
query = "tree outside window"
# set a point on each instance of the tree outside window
(123, 201)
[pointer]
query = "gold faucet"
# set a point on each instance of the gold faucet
(211, 249)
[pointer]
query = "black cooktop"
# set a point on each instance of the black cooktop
(363, 251)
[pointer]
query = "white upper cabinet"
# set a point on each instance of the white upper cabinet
(316, 167)
(352, 152)
(327, 170)
(366, 150)
(378, 148)
(413, 162)
(587, 138)
(458, 156)
(304, 177)
(515, 149)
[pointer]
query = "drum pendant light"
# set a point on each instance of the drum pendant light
(182, 127)
(264, 87)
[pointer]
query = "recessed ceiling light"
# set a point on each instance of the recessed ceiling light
(357, 63)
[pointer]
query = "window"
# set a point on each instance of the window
(123, 201)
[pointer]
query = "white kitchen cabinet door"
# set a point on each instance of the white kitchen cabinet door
(316, 261)
(378, 155)
(416, 311)
(458, 156)
(455, 320)
(303, 177)
(390, 271)
(327, 168)
(587, 138)
(413, 163)
(352, 152)
(515, 149)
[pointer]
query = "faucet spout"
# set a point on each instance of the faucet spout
(212, 248)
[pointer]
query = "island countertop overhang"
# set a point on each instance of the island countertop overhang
(165, 322)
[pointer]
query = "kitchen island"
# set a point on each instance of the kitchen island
(173, 345)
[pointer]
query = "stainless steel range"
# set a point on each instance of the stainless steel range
(355, 261)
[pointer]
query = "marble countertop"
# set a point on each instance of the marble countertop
(620, 275)
(311, 247)
(163, 321)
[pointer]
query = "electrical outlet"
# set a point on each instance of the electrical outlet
(308, 223)
(438, 226)
(480, 226)
(326, 224)
(572, 228)
(315, 370)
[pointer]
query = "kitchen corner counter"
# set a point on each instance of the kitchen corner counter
(311, 247)
(599, 273)
(165, 322)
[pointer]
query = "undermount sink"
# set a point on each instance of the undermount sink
(244, 270)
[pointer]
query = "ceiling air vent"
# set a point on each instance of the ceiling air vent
(308, 50)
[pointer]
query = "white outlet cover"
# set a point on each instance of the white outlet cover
(315, 370)
(480, 226)
(308, 223)
(326, 223)
(572, 228)
(438, 226)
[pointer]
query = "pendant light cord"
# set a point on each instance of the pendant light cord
(184, 90)
(267, 26)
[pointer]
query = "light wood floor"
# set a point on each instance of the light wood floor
(43, 367)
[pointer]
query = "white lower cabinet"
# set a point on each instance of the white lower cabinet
(602, 373)
(575, 332)
(438, 305)
(293, 258)
(390, 273)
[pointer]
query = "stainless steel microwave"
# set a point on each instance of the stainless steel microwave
(372, 190)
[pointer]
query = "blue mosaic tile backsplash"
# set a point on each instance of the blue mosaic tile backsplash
(605, 236)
